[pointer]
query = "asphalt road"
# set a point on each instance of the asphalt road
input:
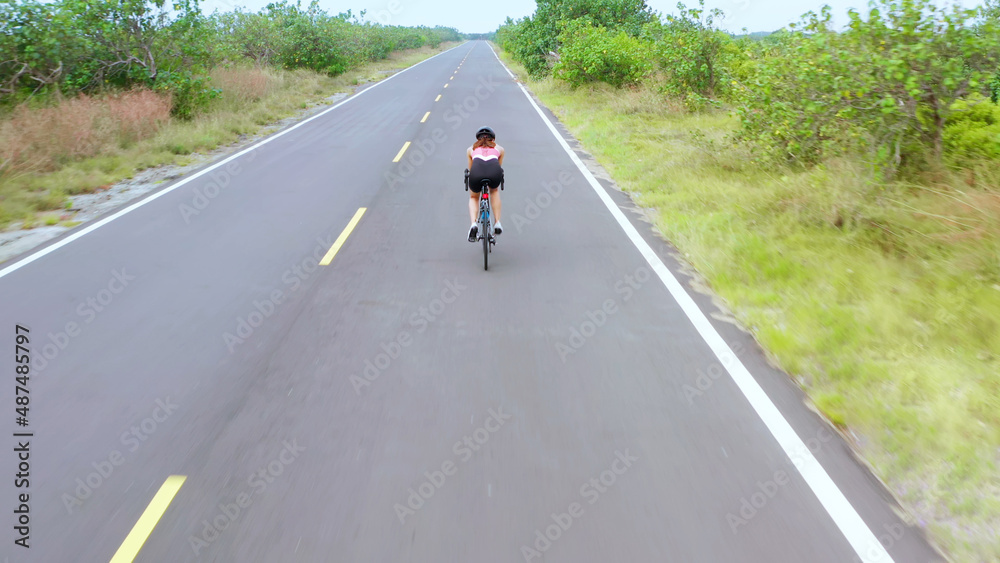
(400, 403)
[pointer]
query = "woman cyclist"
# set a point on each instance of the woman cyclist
(485, 163)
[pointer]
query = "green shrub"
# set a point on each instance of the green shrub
(529, 43)
(596, 54)
(531, 40)
(973, 130)
(87, 46)
(692, 53)
(190, 94)
(886, 85)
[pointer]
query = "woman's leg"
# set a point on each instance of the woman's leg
(473, 206)
(495, 204)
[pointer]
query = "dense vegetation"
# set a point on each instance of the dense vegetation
(840, 189)
(889, 85)
(93, 91)
(88, 46)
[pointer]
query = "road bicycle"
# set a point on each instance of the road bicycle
(486, 224)
(485, 221)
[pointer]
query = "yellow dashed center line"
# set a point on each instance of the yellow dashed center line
(144, 527)
(437, 98)
(452, 77)
(445, 85)
(426, 115)
(343, 237)
(399, 155)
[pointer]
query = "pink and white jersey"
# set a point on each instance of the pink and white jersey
(486, 153)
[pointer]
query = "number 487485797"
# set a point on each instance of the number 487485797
(22, 360)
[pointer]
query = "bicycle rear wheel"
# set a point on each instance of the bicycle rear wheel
(484, 224)
(486, 244)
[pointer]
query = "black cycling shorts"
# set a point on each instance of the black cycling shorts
(489, 170)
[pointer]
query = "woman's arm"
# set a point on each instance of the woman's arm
(468, 155)
(501, 155)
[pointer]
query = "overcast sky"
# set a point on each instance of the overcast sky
(483, 16)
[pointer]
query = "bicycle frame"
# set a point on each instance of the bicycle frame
(485, 210)
(485, 224)
(485, 221)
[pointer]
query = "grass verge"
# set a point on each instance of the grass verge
(85, 144)
(881, 300)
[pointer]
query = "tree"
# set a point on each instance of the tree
(690, 49)
(532, 40)
(133, 39)
(250, 36)
(39, 45)
(597, 54)
(888, 83)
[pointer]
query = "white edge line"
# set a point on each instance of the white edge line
(507, 69)
(90, 228)
(847, 519)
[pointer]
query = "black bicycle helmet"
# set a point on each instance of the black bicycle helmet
(486, 131)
